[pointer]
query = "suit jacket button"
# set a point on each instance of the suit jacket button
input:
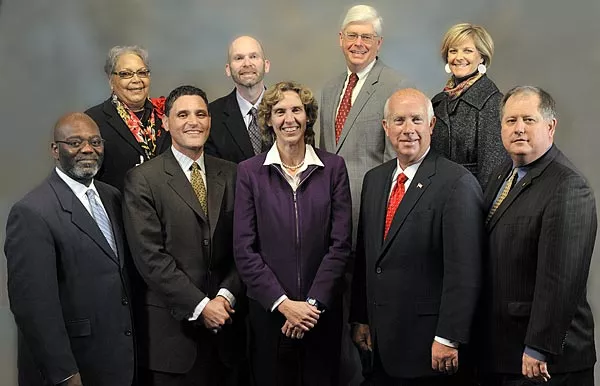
(205, 242)
(378, 270)
(128, 332)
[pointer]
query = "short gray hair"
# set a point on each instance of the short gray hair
(115, 52)
(547, 106)
(363, 14)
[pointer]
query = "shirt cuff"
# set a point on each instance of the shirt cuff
(199, 308)
(535, 354)
(446, 342)
(278, 302)
(66, 379)
(224, 292)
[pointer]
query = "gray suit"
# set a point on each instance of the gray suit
(362, 143)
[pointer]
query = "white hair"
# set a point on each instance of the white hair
(363, 14)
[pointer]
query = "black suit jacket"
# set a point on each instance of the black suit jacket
(182, 254)
(229, 138)
(121, 150)
(68, 291)
(540, 246)
(423, 280)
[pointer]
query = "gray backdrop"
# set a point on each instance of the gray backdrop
(52, 52)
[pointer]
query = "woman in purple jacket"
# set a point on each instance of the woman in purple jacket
(292, 240)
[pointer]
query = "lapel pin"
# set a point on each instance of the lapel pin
(419, 185)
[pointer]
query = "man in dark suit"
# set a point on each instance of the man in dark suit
(179, 222)
(350, 125)
(536, 323)
(235, 134)
(67, 283)
(418, 254)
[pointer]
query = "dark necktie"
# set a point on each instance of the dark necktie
(394, 202)
(345, 106)
(101, 219)
(254, 132)
(199, 187)
(507, 187)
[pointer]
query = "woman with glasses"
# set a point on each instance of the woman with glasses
(129, 120)
(467, 130)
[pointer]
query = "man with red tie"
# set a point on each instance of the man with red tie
(418, 254)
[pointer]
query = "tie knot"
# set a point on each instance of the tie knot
(402, 178)
(253, 111)
(195, 166)
(90, 193)
(353, 79)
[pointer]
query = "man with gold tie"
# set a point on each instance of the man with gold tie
(418, 254)
(536, 324)
(179, 221)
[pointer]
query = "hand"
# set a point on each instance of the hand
(292, 332)
(216, 313)
(75, 380)
(300, 314)
(361, 336)
(443, 358)
(535, 369)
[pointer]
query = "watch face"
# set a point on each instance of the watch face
(312, 301)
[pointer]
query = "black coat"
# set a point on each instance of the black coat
(121, 149)
(467, 130)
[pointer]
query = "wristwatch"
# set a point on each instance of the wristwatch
(314, 302)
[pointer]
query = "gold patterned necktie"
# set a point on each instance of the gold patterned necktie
(503, 194)
(199, 187)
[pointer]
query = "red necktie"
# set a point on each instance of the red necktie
(395, 198)
(345, 106)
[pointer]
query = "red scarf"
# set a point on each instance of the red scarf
(454, 91)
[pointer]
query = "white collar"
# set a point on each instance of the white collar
(365, 71)
(246, 106)
(310, 156)
(186, 162)
(77, 187)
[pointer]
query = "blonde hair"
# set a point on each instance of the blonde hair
(459, 32)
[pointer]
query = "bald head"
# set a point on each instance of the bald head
(409, 94)
(246, 63)
(78, 148)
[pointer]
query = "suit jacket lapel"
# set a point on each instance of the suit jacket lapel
(215, 187)
(115, 121)
(234, 122)
(80, 217)
(178, 181)
(416, 189)
(368, 88)
(536, 169)
(114, 213)
(441, 108)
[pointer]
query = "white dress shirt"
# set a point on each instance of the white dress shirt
(186, 163)
(246, 106)
(362, 76)
(79, 190)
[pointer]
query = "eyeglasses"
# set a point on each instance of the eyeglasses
(366, 38)
(77, 143)
(127, 74)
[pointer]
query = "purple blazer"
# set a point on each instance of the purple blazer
(297, 245)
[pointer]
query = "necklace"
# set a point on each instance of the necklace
(293, 168)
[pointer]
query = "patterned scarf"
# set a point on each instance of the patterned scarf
(145, 135)
(454, 91)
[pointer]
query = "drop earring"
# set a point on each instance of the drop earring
(447, 68)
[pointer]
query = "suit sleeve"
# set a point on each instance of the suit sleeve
(33, 290)
(257, 275)
(358, 304)
(490, 151)
(566, 241)
(330, 274)
(462, 233)
(145, 235)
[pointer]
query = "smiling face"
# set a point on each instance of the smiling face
(358, 53)
(526, 134)
(189, 124)
(247, 65)
(288, 119)
(82, 162)
(133, 91)
(464, 58)
(407, 125)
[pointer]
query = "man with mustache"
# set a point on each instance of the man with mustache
(235, 135)
(67, 278)
(536, 324)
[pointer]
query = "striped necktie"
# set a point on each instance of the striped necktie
(507, 186)
(101, 218)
